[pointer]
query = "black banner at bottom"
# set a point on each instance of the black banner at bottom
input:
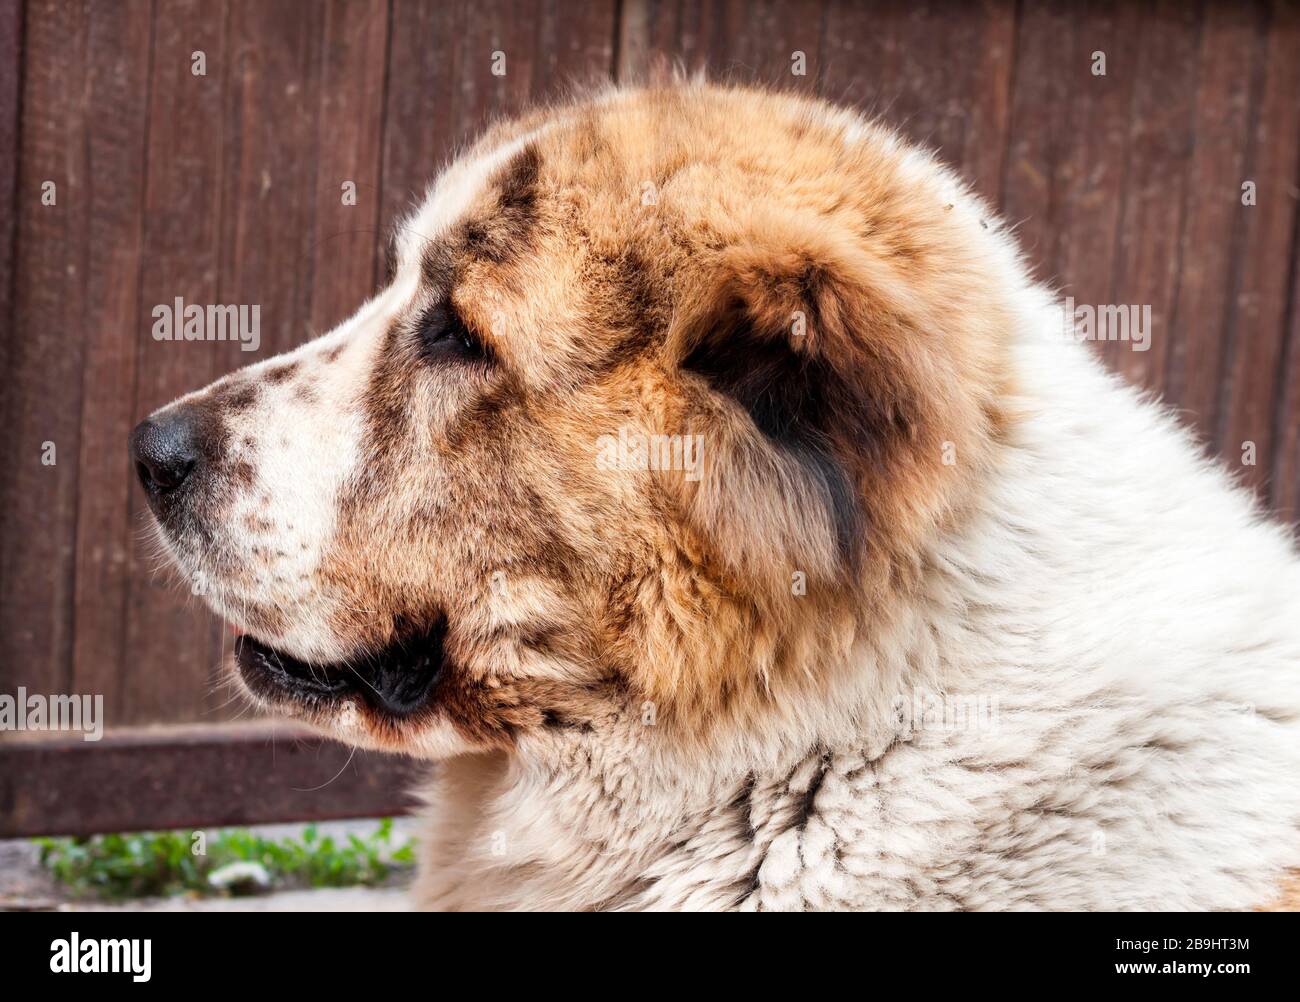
(332, 952)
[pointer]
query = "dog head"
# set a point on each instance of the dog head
(666, 395)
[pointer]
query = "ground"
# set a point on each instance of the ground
(26, 886)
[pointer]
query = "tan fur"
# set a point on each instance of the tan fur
(1288, 898)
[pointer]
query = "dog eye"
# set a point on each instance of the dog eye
(444, 336)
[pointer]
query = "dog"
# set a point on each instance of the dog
(715, 497)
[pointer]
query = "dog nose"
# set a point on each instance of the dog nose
(165, 450)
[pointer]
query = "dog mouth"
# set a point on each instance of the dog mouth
(397, 680)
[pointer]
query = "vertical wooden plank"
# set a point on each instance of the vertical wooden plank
(1250, 392)
(1159, 151)
(11, 29)
(351, 126)
(1285, 473)
(169, 643)
(657, 36)
(1285, 495)
(1068, 128)
(1043, 82)
(115, 101)
(1211, 241)
(43, 385)
(419, 117)
(939, 72)
(575, 47)
(273, 105)
(442, 89)
(758, 42)
(725, 39)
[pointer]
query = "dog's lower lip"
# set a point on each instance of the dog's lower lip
(258, 662)
(397, 680)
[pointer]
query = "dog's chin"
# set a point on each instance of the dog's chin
(393, 683)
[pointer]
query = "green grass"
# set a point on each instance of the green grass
(153, 864)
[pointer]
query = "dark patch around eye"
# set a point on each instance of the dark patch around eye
(443, 336)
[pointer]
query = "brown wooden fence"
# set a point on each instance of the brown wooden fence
(224, 187)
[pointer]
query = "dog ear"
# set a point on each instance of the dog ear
(798, 334)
